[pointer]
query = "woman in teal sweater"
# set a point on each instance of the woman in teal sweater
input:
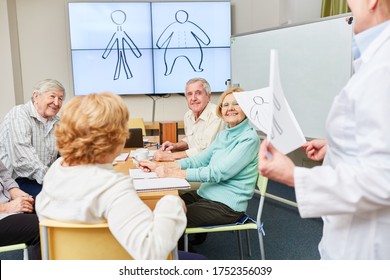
(227, 169)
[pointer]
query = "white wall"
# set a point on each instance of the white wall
(296, 14)
(7, 96)
(43, 47)
(254, 15)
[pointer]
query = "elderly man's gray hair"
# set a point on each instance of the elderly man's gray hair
(46, 85)
(205, 83)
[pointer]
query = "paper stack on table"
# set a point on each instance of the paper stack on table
(149, 181)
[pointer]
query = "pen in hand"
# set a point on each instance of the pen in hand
(144, 168)
(135, 159)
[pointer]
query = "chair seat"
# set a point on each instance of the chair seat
(221, 228)
(246, 223)
(14, 247)
(81, 241)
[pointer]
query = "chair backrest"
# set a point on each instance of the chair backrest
(262, 183)
(136, 139)
(74, 241)
(20, 246)
(137, 123)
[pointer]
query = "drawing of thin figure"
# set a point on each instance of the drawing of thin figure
(259, 114)
(119, 40)
(181, 39)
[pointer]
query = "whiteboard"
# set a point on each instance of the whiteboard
(315, 62)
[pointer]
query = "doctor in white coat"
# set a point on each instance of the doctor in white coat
(351, 190)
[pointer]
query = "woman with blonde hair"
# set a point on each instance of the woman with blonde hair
(227, 170)
(82, 185)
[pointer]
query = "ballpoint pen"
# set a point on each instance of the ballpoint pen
(144, 168)
(135, 159)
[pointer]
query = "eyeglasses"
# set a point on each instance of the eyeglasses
(227, 104)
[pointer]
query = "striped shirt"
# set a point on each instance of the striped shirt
(27, 142)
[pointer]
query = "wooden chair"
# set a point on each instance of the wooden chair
(80, 241)
(21, 246)
(248, 225)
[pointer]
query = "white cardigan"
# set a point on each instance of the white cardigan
(95, 193)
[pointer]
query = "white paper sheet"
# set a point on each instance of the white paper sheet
(286, 134)
(158, 184)
(257, 106)
(121, 157)
(136, 173)
(268, 111)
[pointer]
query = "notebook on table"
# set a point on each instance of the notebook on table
(160, 184)
(148, 181)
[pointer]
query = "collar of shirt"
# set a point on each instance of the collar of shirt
(204, 115)
(361, 41)
(34, 113)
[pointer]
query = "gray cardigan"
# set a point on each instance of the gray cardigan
(6, 183)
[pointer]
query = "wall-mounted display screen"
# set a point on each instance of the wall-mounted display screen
(148, 47)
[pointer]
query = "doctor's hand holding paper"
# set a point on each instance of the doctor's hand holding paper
(351, 190)
(279, 167)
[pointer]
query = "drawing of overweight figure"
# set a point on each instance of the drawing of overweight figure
(119, 40)
(183, 38)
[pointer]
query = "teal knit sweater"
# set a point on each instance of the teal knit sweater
(228, 167)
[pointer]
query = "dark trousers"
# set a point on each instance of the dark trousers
(204, 212)
(190, 256)
(31, 187)
(21, 228)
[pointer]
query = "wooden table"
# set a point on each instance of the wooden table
(156, 125)
(150, 198)
(153, 129)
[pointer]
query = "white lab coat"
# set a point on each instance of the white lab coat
(351, 191)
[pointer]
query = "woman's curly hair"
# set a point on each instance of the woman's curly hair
(91, 127)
